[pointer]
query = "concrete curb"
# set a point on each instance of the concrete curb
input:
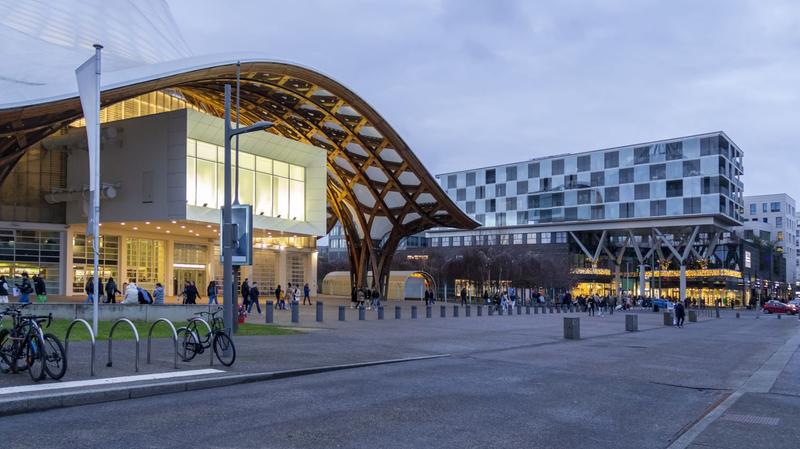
(19, 405)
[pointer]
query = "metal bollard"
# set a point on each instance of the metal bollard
(558, 309)
(380, 312)
(428, 311)
(341, 313)
(631, 322)
(667, 319)
(413, 312)
(320, 305)
(295, 312)
(269, 312)
(480, 310)
(491, 310)
(455, 310)
(717, 309)
(737, 314)
(527, 310)
(519, 309)
(397, 312)
(779, 316)
(362, 314)
(692, 316)
(500, 311)
(535, 310)
(468, 310)
(572, 328)
(443, 311)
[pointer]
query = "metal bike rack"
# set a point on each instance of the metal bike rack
(210, 337)
(135, 334)
(91, 334)
(174, 338)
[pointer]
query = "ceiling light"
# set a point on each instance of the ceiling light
(135, 228)
(167, 231)
(183, 227)
(173, 221)
(208, 226)
(99, 224)
(158, 227)
(123, 223)
(190, 231)
(146, 222)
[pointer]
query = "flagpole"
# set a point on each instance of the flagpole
(96, 194)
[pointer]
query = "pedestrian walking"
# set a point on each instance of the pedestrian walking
(3, 290)
(40, 288)
(376, 298)
(253, 298)
(25, 288)
(278, 296)
(463, 296)
(306, 293)
(111, 291)
(245, 292)
(89, 289)
(680, 313)
(211, 291)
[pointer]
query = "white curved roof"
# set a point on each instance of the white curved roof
(48, 40)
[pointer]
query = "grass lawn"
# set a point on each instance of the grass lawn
(162, 330)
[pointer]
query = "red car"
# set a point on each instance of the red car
(774, 306)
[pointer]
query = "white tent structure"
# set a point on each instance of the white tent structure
(403, 285)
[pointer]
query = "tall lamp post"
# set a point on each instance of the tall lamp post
(230, 241)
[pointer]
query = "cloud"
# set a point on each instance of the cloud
(474, 83)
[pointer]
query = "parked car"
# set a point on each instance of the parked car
(774, 306)
(663, 303)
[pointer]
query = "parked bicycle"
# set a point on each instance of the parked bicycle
(25, 347)
(190, 343)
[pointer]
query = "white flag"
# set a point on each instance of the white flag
(89, 91)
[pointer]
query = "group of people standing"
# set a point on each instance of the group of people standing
(131, 292)
(360, 296)
(26, 286)
(290, 296)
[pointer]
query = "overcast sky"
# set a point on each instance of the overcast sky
(470, 83)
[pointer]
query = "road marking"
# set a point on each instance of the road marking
(105, 381)
(760, 382)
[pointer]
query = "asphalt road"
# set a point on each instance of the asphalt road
(616, 390)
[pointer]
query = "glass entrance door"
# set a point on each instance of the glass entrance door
(196, 275)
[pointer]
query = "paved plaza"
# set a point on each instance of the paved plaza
(501, 381)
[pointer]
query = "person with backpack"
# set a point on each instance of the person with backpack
(253, 297)
(306, 293)
(25, 288)
(145, 297)
(40, 288)
(111, 291)
(277, 296)
(190, 293)
(3, 290)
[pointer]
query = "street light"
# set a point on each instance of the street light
(229, 243)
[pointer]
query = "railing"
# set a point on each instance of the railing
(210, 336)
(135, 335)
(91, 334)
(174, 338)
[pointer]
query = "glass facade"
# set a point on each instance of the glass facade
(146, 259)
(32, 252)
(274, 188)
(689, 176)
(83, 260)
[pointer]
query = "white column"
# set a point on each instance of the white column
(641, 279)
(66, 263)
(311, 273)
(281, 275)
(123, 261)
(683, 282)
(617, 282)
(169, 269)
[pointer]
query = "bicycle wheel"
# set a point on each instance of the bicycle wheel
(7, 350)
(187, 344)
(55, 359)
(222, 344)
(34, 357)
